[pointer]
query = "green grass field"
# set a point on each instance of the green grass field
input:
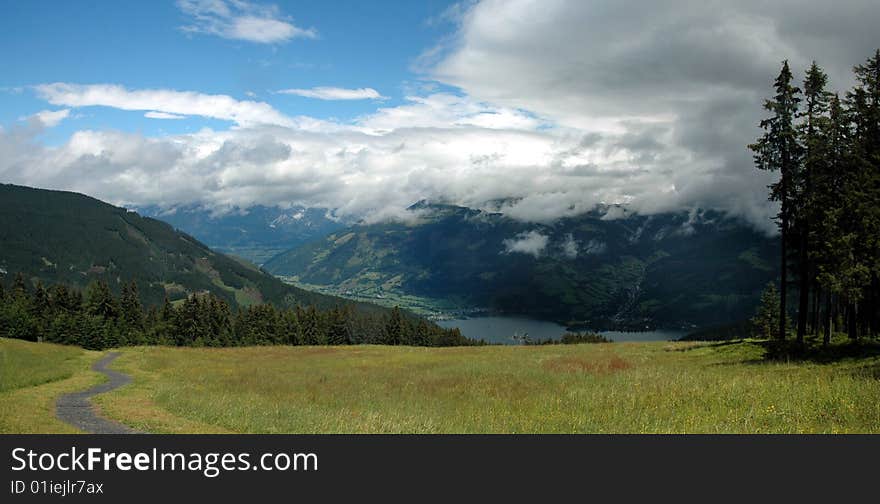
(643, 387)
(616, 388)
(32, 376)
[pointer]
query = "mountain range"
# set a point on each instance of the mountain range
(70, 238)
(607, 269)
(257, 233)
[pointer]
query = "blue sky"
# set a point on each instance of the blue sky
(142, 45)
(549, 107)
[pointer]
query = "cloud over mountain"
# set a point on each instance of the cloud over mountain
(677, 83)
(531, 243)
(549, 108)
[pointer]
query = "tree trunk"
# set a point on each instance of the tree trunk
(874, 307)
(783, 283)
(829, 320)
(804, 286)
(853, 320)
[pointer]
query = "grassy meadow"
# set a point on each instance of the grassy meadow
(600, 388)
(32, 376)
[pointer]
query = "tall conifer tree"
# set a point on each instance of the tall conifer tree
(805, 210)
(778, 150)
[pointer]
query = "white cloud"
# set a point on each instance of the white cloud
(435, 147)
(562, 106)
(531, 243)
(162, 115)
(50, 118)
(164, 101)
(335, 93)
(241, 20)
(358, 174)
(445, 110)
(570, 247)
(678, 83)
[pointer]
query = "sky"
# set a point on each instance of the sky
(537, 108)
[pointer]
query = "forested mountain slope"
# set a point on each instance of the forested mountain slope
(70, 238)
(671, 270)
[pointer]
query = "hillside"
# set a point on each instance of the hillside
(64, 237)
(679, 270)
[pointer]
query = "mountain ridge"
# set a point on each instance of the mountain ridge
(66, 237)
(256, 233)
(676, 270)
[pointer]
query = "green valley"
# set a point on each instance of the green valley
(671, 270)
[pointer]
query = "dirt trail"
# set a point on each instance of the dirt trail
(77, 410)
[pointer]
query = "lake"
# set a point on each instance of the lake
(500, 329)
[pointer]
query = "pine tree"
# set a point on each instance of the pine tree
(422, 333)
(110, 336)
(311, 328)
(74, 300)
(39, 306)
(396, 328)
(241, 328)
(766, 320)
(103, 321)
(167, 313)
(804, 210)
(265, 325)
(63, 299)
(865, 111)
(828, 231)
(63, 329)
(18, 320)
(152, 324)
(19, 288)
(778, 150)
(220, 322)
(91, 332)
(187, 330)
(339, 327)
(167, 321)
(100, 301)
(291, 327)
(130, 304)
(38, 313)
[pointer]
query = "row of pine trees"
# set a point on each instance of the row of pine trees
(826, 150)
(97, 319)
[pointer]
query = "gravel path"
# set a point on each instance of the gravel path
(76, 409)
